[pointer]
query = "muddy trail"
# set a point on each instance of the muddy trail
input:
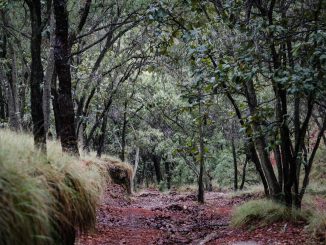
(152, 217)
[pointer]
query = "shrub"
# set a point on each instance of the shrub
(263, 212)
(44, 200)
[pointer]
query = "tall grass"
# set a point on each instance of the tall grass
(264, 212)
(44, 199)
(317, 225)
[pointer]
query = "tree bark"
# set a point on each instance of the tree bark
(13, 92)
(37, 75)
(48, 77)
(260, 143)
(168, 174)
(157, 166)
(10, 80)
(201, 194)
(235, 166)
(124, 131)
(278, 159)
(2, 103)
(102, 136)
(244, 173)
(135, 169)
(309, 165)
(55, 105)
(62, 64)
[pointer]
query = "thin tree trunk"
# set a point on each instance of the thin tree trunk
(14, 90)
(244, 173)
(251, 147)
(48, 77)
(102, 136)
(279, 165)
(201, 194)
(2, 102)
(168, 174)
(235, 165)
(55, 105)
(320, 127)
(309, 165)
(61, 56)
(124, 131)
(22, 97)
(10, 81)
(135, 169)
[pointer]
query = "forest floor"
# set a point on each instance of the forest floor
(152, 217)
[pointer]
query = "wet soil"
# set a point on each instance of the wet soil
(152, 217)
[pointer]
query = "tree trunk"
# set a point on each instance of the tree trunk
(260, 143)
(251, 147)
(9, 80)
(168, 174)
(2, 78)
(279, 165)
(309, 165)
(254, 158)
(13, 91)
(157, 166)
(101, 140)
(48, 77)
(62, 53)
(244, 173)
(235, 165)
(2, 103)
(37, 75)
(135, 169)
(123, 133)
(55, 105)
(22, 97)
(201, 197)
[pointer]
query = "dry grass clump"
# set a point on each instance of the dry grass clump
(119, 172)
(112, 169)
(44, 200)
(317, 226)
(264, 212)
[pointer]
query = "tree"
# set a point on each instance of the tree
(62, 55)
(9, 76)
(37, 73)
(250, 56)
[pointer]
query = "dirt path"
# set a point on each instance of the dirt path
(152, 217)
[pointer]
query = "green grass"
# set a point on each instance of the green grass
(42, 198)
(264, 212)
(317, 225)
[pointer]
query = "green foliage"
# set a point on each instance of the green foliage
(162, 186)
(43, 197)
(182, 175)
(167, 58)
(264, 212)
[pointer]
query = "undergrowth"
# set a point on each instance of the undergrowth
(44, 199)
(264, 212)
(317, 225)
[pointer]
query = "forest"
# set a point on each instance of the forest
(162, 122)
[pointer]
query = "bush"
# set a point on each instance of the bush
(44, 200)
(264, 212)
